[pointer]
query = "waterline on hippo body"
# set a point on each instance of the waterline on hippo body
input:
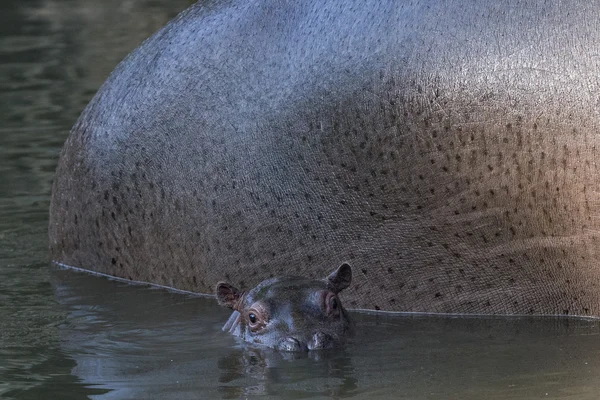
(367, 311)
(130, 281)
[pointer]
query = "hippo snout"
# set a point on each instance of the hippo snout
(292, 344)
(321, 340)
(318, 341)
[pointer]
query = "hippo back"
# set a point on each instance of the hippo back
(447, 148)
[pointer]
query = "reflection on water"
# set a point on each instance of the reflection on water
(67, 335)
(138, 342)
(251, 371)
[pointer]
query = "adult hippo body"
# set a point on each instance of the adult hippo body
(447, 150)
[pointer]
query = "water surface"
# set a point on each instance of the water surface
(68, 335)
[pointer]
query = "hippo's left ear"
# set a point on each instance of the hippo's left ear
(228, 296)
(340, 279)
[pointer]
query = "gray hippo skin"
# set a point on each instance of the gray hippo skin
(448, 149)
(290, 313)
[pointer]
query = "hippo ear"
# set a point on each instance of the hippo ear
(340, 279)
(228, 296)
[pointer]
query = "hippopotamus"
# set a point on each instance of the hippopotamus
(290, 313)
(448, 150)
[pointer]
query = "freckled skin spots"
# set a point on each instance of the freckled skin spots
(452, 155)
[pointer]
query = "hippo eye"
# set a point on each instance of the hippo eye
(252, 318)
(257, 317)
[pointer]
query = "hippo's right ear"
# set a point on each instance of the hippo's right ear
(340, 279)
(228, 296)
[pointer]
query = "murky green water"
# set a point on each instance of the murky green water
(67, 335)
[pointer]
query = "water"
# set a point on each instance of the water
(68, 335)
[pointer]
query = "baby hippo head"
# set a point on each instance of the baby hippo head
(290, 313)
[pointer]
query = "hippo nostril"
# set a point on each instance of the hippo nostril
(292, 344)
(321, 340)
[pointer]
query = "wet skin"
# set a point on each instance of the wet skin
(290, 313)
